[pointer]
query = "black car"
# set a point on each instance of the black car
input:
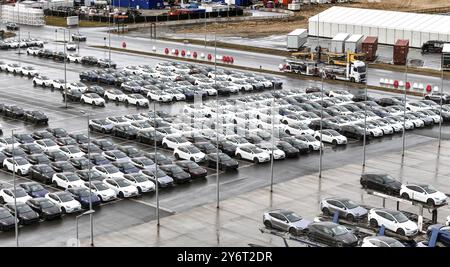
(34, 189)
(45, 53)
(38, 159)
(125, 131)
(158, 158)
(80, 163)
(301, 146)
(104, 144)
(7, 220)
(78, 37)
(45, 208)
(65, 141)
(56, 155)
(42, 172)
(126, 167)
(84, 196)
(42, 135)
(131, 151)
(57, 132)
(355, 131)
(90, 147)
(85, 174)
(17, 152)
(97, 159)
(72, 95)
(34, 116)
(59, 56)
(381, 182)
(11, 26)
(176, 172)
(107, 79)
(225, 161)
(288, 149)
(25, 214)
(31, 149)
(62, 166)
(332, 234)
(388, 101)
(226, 146)
(192, 168)
(433, 46)
(148, 137)
(89, 76)
(24, 138)
(79, 138)
(96, 89)
(13, 111)
(89, 60)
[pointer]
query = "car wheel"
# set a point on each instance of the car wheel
(430, 202)
(82, 101)
(256, 160)
(239, 156)
(405, 196)
(400, 231)
(117, 99)
(373, 223)
(267, 224)
(106, 98)
(121, 194)
(100, 197)
(326, 211)
(34, 83)
(177, 156)
(63, 210)
(139, 190)
(2, 201)
(164, 145)
(339, 244)
(126, 101)
(293, 231)
(317, 138)
(288, 132)
(19, 172)
(350, 218)
(334, 142)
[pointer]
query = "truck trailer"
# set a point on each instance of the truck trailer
(296, 39)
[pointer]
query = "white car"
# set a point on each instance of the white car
(298, 129)
(243, 86)
(75, 58)
(173, 142)
(160, 96)
(277, 153)
(58, 84)
(392, 220)
(165, 66)
(131, 70)
(101, 190)
(219, 74)
(71, 46)
(416, 106)
(332, 137)
(93, 99)
(122, 187)
(65, 201)
(42, 81)
(72, 151)
(381, 242)
(28, 71)
(176, 94)
(33, 51)
(8, 143)
(189, 152)
(7, 195)
(136, 99)
(118, 121)
(340, 93)
(47, 144)
(115, 95)
(167, 75)
(18, 164)
(13, 68)
(309, 139)
(3, 65)
(423, 193)
(67, 180)
(109, 171)
(252, 153)
(77, 86)
(141, 182)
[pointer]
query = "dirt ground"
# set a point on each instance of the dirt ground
(254, 29)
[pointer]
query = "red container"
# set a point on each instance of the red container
(401, 49)
(370, 47)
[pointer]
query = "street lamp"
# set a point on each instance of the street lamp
(156, 164)
(16, 226)
(404, 110)
(90, 213)
(365, 116)
(217, 120)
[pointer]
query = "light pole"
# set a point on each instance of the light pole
(273, 144)
(18, 21)
(365, 117)
(90, 213)
(156, 164)
(109, 31)
(442, 91)
(65, 68)
(404, 110)
(217, 120)
(16, 226)
(91, 217)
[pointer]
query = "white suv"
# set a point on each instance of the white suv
(392, 220)
(423, 193)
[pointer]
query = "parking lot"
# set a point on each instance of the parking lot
(121, 214)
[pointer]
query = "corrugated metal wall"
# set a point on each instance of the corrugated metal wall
(389, 26)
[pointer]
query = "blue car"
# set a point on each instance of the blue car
(444, 233)
(81, 194)
(34, 189)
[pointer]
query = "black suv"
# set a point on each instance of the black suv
(433, 46)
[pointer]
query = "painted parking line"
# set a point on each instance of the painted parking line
(151, 205)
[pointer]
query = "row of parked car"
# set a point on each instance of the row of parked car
(16, 112)
(23, 43)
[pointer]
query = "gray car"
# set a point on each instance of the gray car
(347, 208)
(285, 220)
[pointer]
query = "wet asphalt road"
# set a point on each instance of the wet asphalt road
(125, 213)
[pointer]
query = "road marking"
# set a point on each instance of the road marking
(152, 205)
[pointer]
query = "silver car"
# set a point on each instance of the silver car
(347, 208)
(285, 220)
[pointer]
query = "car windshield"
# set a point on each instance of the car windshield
(333, 133)
(122, 182)
(19, 192)
(339, 230)
(36, 187)
(73, 149)
(193, 149)
(388, 179)
(292, 217)
(72, 177)
(65, 197)
(349, 204)
(400, 217)
(22, 208)
(46, 204)
(161, 174)
(140, 178)
(101, 186)
(429, 189)
(21, 161)
(4, 214)
(147, 162)
(83, 193)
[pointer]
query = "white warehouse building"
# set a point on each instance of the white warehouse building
(388, 26)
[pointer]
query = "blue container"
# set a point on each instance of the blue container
(143, 4)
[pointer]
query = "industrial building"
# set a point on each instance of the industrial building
(388, 26)
(22, 14)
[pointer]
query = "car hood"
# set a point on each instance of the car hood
(410, 225)
(40, 193)
(51, 210)
(7, 221)
(358, 211)
(395, 185)
(165, 180)
(438, 195)
(28, 215)
(302, 224)
(347, 238)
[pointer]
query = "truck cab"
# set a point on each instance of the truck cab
(357, 72)
(432, 46)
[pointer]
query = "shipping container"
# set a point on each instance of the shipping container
(370, 47)
(401, 49)
(354, 43)
(338, 43)
(446, 57)
(296, 39)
